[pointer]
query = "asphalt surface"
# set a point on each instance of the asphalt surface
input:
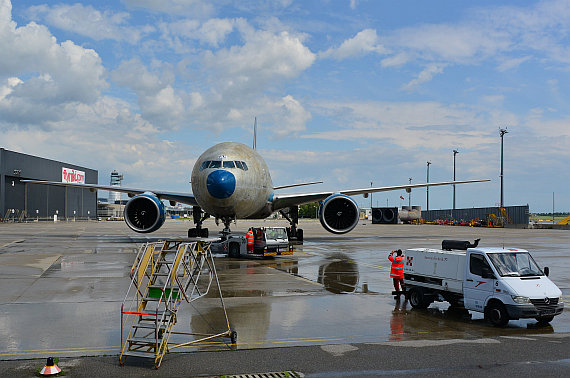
(325, 311)
(541, 355)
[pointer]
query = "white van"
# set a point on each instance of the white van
(503, 283)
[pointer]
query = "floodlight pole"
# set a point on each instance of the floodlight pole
(502, 132)
(455, 152)
(427, 187)
(410, 196)
(371, 198)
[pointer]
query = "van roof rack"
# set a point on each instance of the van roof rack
(448, 245)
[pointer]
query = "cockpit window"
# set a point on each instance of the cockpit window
(205, 165)
(225, 164)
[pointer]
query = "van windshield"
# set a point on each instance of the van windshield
(276, 233)
(515, 264)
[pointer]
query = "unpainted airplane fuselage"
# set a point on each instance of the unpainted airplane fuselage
(231, 180)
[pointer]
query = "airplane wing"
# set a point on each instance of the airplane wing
(185, 198)
(281, 201)
(293, 185)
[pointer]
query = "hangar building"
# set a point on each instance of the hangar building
(20, 201)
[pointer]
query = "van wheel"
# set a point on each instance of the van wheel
(234, 250)
(417, 299)
(496, 314)
(544, 319)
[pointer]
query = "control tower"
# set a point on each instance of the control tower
(116, 178)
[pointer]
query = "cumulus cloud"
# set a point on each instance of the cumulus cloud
(44, 76)
(90, 22)
(228, 86)
(107, 135)
(158, 100)
(211, 32)
(264, 56)
(364, 42)
(287, 116)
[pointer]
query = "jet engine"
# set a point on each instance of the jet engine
(145, 213)
(339, 214)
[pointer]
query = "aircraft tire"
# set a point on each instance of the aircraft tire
(204, 233)
(233, 337)
(300, 234)
(192, 233)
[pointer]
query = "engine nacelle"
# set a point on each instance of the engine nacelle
(145, 213)
(339, 214)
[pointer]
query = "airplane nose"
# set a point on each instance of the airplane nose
(221, 184)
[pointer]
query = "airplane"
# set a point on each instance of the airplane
(231, 181)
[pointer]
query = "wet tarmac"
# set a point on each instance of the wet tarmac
(62, 286)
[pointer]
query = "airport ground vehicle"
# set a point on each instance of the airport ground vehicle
(503, 283)
(268, 241)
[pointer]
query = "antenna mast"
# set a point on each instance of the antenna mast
(255, 133)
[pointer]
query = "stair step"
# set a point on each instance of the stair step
(144, 340)
(149, 326)
(151, 318)
(155, 292)
(133, 353)
(159, 287)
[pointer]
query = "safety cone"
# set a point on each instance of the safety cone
(50, 368)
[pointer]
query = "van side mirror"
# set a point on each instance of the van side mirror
(546, 271)
(486, 272)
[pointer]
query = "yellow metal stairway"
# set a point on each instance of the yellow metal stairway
(164, 275)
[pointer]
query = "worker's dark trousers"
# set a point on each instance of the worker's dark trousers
(397, 283)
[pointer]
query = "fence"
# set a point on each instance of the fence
(508, 215)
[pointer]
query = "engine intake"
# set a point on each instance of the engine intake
(339, 214)
(145, 213)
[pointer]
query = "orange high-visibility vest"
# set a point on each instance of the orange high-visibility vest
(397, 270)
(249, 237)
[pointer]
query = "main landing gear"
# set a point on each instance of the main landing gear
(295, 234)
(199, 218)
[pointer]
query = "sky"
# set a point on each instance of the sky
(349, 92)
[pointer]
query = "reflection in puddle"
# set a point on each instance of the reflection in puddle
(442, 321)
(340, 275)
(397, 319)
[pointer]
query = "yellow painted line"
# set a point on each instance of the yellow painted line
(64, 351)
(267, 342)
(117, 349)
(306, 341)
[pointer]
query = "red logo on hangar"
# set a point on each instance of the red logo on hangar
(409, 260)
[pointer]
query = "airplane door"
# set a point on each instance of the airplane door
(479, 282)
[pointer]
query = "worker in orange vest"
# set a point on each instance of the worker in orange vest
(249, 238)
(397, 269)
